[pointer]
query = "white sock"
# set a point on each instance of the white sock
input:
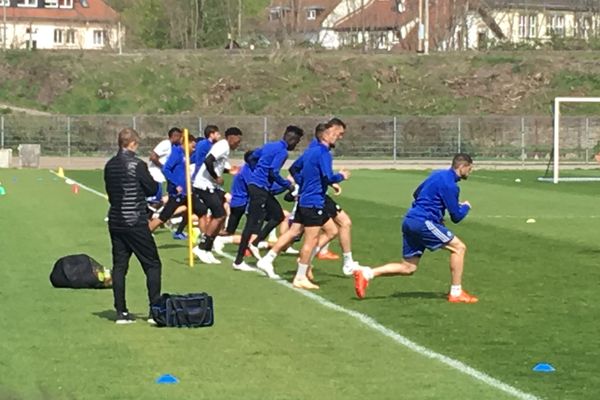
(348, 258)
(270, 257)
(301, 271)
(455, 290)
(324, 249)
(368, 273)
(314, 253)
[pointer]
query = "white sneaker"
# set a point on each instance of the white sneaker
(291, 250)
(218, 245)
(202, 255)
(348, 269)
(243, 267)
(263, 245)
(212, 258)
(254, 250)
(267, 268)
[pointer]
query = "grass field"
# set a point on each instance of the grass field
(537, 283)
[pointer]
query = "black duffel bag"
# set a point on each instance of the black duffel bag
(193, 310)
(80, 271)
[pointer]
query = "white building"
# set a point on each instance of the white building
(59, 24)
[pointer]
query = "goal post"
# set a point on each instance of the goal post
(556, 141)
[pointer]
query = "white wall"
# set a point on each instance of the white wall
(43, 35)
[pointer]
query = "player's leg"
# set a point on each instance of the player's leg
(458, 250)
(121, 253)
(213, 199)
(265, 264)
(254, 219)
(311, 239)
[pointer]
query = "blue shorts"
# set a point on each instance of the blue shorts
(419, 235)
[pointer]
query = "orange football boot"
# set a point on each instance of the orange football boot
(360, 284)
(463, 297)
(328, 255)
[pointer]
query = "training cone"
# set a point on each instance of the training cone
(167, 379)
(61, 172)
(2, 191)
(75, 188)
(543, 367)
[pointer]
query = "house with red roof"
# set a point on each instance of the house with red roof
(59, 24)
(370, 24)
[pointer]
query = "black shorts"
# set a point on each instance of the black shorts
(331, 207)
(263, 205)
(214, 200)
(234, 219)
(174, 202)
(309, 216)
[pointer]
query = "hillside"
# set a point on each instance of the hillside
(296, 82)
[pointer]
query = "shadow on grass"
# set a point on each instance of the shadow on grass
(407, 295)
(109, 315)
(170, 246)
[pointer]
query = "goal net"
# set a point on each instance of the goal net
(567, 144)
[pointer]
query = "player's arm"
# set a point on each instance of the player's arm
(325, 163)
(209, 163)
(275, 169)
(169, 166)
(296, 167)
(149, 186)
(154, 159)
(456, 210)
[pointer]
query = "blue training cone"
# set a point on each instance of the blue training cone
(167, 379)
(543, 367)
(2, 190)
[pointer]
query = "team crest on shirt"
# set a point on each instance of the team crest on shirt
(320, 212)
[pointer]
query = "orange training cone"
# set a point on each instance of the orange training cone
(75, 188)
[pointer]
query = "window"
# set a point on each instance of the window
(311, 14)
(533, 26)
(58, 36)
(584, 26)
(401, 5)
(555, 25)
(70, 36)
(51, 3)
(65, 3)
(527, 26)
(5, 3)
(99, 38)
(27, 3)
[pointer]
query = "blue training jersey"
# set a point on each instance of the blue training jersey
(317, 174)
(202, 149)
(239, 187)
(174, 170)
(296, 167)
(270, 159)
(438, 193)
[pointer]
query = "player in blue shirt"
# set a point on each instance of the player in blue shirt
(174, 172)
(423, 228)
(211, 136)
(269, 160)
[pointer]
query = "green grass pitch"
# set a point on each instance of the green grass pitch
(537, 284)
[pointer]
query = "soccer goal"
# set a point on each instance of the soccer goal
(555, 154)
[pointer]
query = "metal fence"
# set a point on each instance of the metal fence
(487, 137)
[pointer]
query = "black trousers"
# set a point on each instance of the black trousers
(138, 241)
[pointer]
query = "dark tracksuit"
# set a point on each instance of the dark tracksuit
(128, 183)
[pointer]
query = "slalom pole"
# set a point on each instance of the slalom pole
(188, 191)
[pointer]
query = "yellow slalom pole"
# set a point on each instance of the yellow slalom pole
(188, 191)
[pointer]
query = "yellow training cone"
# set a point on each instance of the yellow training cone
(61, 172)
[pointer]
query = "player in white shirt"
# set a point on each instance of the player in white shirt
(159, 157)
(208, 186)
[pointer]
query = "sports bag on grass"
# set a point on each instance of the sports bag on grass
(193, 310)
(80, 271)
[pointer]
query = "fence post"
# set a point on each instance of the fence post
(134, 123)
(395, 139)
(265, 133)
(522, 141)
(459, 134)
(200, 127)
(69, 140)
(587, 140)
(2, 131)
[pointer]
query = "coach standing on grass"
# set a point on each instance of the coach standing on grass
(128, 183)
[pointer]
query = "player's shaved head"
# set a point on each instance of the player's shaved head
(461, 159)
